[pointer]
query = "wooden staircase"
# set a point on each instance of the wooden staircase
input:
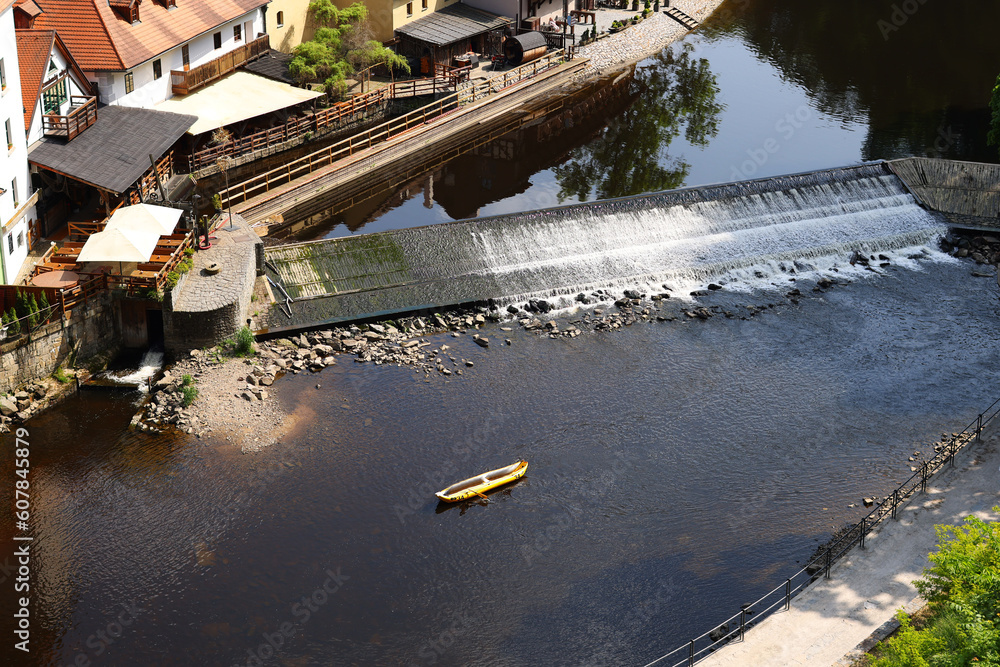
(681, 18)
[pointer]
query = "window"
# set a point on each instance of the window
(20, 236)
(409, 9)
(10, 243)
(54, 96)
(186, 57)
(237, 33)
(13, 191)
(217, 39)
(10, 137)
(129, 83)
(3, 76)
(423, 5)
(157, 69)
(281, 19)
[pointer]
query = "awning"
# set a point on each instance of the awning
(452, 24)
(119, 245)
(145, 218)
(238, 96)
(113, 153)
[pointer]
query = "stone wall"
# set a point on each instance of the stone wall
(205, 309)
(92, 329)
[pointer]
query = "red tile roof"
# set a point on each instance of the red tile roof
(33, 49)
(100, 40)
(28, 7)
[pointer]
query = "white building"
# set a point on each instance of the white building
(17, 201)
(129, 47)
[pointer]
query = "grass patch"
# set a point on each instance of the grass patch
(60, 375)
(241, 345)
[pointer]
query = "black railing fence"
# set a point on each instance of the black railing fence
(734, 627)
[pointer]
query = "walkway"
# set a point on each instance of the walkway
(831, 617)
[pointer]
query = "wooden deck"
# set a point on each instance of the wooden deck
(184, 82)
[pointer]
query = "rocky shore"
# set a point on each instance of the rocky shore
(236, 401)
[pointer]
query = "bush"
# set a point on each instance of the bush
(44, 305)
(189, 395)
(60, 375)
(962, 588)
(189, 252)
(15, 326)
(184, 265)
(32, 312)
(172, 279)
(244, 342)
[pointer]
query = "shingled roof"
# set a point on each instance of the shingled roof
(113, 153)
(33, 49)
(452, 24)
(100, 40)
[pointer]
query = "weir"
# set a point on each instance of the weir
(746, 230)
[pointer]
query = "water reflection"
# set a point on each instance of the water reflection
(920, 76)
(676, 93)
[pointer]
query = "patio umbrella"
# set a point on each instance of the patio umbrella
(119, 245)
(146, 217)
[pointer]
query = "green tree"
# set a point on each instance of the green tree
(676, 94)
(994, 136)
(32, 312)
(341, 46)
(44, 305)
(962, 587)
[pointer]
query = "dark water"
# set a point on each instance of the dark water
(677, 469)
(768, 87)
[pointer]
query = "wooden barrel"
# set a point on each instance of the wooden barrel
(524, 48)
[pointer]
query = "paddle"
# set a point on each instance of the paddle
(481, 496)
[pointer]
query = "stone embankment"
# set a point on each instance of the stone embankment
(639, 41)
(32, 399)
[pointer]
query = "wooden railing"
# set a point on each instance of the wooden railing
(83, 114)
(148, 184)
(313, 123)
(307, 164)
(186, 82)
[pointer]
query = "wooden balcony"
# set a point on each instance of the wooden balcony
(82, 114)
(186, 82)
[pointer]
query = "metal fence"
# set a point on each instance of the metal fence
(734, 627)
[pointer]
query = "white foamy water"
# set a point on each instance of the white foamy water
(747, 242)
(152, 362)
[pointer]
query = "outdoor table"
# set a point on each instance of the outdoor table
(57, 279)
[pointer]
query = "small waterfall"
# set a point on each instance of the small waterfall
(748, 235)
(753, 238)
(149, 366)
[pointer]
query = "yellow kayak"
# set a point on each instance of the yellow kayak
(477, 486)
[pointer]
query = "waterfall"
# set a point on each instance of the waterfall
(149, 366)
(687, 244)
(747, 235)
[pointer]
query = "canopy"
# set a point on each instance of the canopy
(119, 245)
(238, 96)
(146, 218)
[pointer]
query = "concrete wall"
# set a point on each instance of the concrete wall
(294, 27)
(92, 328)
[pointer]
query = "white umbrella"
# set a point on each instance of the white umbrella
(119, 245)
(146, 217)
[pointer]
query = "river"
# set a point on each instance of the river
(677, 469)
